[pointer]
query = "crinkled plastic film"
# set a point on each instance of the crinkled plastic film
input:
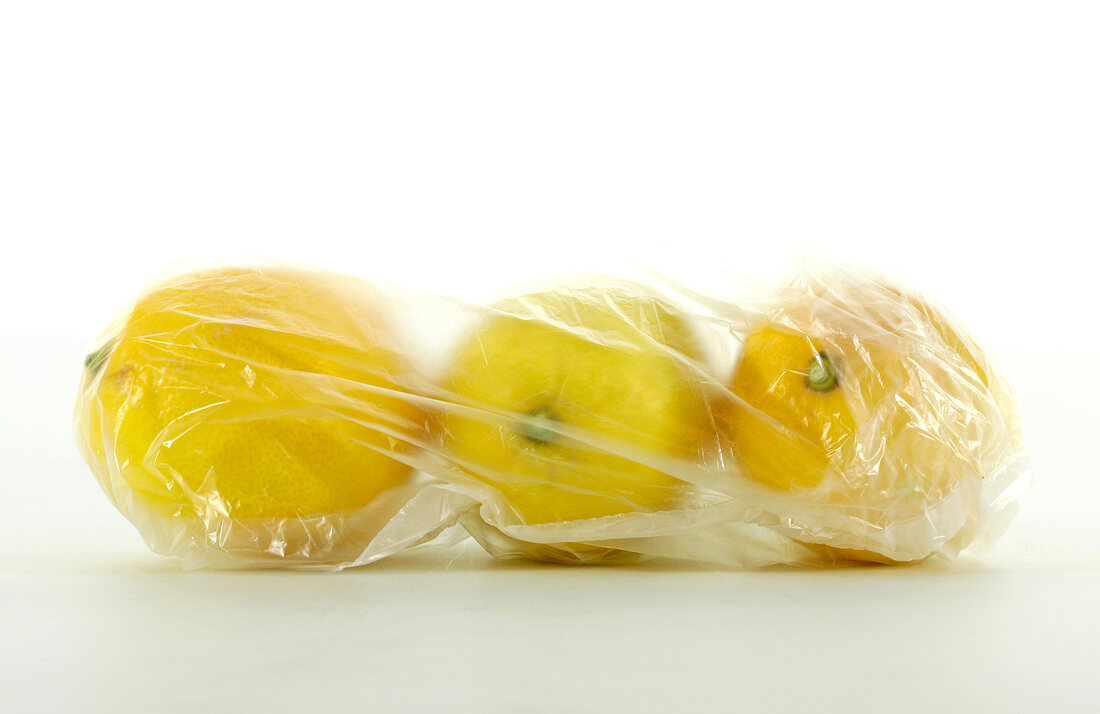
(285, 416)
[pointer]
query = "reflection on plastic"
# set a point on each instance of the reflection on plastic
(290, 417)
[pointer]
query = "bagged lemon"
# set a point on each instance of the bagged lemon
(876, 424)
(251, 417)
(559, 398)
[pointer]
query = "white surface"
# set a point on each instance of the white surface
(470, 146)
(124, 633)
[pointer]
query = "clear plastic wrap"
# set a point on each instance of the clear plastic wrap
(289, 417)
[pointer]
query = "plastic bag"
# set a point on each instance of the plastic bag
(290, 417)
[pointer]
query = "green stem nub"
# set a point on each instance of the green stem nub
(821, 375)
(540, 426)
(95, 359)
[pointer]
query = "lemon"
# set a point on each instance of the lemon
(248, 396)
(791, 417)
(858, 396)
(565, 392)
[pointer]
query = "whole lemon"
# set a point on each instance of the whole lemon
(869, 404)
(255, 409)
(562, 393)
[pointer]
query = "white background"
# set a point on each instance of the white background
(464, 147)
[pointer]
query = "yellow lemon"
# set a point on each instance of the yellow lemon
(857, 395)
(790, 417)
(565, 392)
(248, 396)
